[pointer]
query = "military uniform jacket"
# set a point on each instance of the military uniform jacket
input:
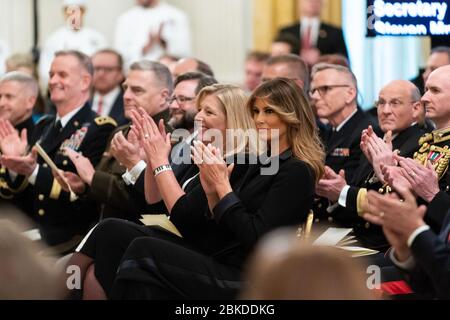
(407, 143)
(435, 148)
(59, 218)
(343, 152)
(109, 190)
(342, 147)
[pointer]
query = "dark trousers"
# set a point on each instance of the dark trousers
(157, 269)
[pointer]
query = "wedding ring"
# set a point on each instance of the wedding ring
(381, 214)
(147, 136)
(412, 174)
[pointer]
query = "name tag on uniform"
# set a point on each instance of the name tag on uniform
(341, 152)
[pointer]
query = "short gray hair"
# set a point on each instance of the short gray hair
(24, 79)
(84, 60)
(327, 66)
(161, 72)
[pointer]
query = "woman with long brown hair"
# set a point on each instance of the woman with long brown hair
(278, 191)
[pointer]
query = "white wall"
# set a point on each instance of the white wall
(221, 28)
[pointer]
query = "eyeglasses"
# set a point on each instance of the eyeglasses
(323, 90)
(106, 69)
(180, 99)
(393, 103)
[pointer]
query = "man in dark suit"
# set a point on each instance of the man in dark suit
(107, 98)
(421, 254)
(398, 109)
(315, 37)
(61, 220)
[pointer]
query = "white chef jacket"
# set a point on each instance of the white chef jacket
(86, 40)
(135, 25)
(4, 54)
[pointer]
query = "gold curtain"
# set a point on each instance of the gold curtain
(270, 15)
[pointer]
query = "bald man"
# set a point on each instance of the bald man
(398, 108)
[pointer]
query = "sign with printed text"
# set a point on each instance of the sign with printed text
(408, 18)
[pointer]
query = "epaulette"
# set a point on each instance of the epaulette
(100, 121)
(425, 138)
(441, 135)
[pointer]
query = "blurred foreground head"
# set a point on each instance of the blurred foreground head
(24, 273)
(285, 268)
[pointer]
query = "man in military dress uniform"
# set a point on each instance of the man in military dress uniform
(427, 176)
(76, 127)
(148, 86)
(398, 109)
(334, 94)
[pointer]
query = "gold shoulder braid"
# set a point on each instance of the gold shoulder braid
(438, 156)
(100, 121)
(430, 151)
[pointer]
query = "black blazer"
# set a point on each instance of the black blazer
(431, 277)
(330, 41)
(407, 142)
(258, 204)
(117, 111)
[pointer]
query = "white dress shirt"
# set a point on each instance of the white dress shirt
(86, 40)
(135, 25)
(108, 101)
(314, 23)
(4, 54)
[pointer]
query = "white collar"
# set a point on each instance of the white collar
(339, 127)
(65, 120)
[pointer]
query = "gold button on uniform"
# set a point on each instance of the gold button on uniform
(41, 212)
(45, 165)
(41, 197)
(447, 188)
(319, 205)
(330, 219)
(65, 162)
(367, 225)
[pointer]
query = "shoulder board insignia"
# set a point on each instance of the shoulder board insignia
(441, 135)
(100, 121)
(425, 138)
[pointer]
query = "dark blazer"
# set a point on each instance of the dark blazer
(330, 41)
(117, 110)
(407, 142)
(250, 211)
(431, 277)
(58, 218)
